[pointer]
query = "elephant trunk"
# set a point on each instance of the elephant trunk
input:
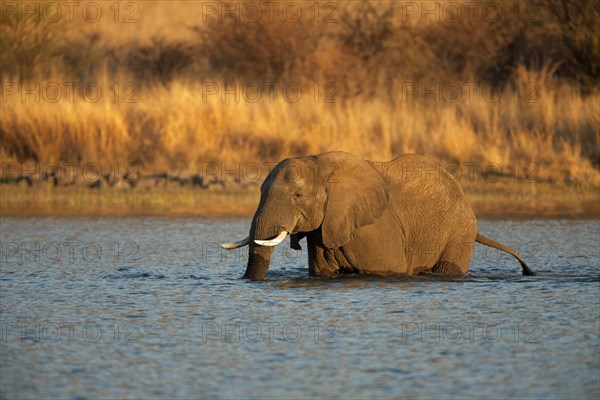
(270, 225)
(259, 258)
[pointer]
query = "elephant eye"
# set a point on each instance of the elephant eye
(297, 195)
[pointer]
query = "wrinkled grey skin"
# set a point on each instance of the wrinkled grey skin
(405, 216)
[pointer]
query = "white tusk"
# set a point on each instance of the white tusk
(274, 241)
(236, 245)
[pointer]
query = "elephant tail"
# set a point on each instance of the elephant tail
(489, 242)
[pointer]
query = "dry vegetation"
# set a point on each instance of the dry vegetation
(544, 65)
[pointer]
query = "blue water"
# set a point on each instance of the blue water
(150, 307)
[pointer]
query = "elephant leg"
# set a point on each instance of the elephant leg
(455, 259)
(321, 261)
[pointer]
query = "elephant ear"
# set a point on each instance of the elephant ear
(356, 196)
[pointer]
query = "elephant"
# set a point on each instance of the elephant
(407, 216)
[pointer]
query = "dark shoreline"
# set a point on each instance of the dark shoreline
(498, 202)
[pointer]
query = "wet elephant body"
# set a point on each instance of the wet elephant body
(405, 216)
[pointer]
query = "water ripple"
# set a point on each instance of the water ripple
(165, 314)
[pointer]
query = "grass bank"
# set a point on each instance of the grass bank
(500, 201)
(180, 127)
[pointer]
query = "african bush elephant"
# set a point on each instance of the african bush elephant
(405, 216)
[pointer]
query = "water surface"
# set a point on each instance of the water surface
(151, 307)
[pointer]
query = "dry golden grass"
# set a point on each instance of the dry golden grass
(171, 127)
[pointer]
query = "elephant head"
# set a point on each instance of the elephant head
(333, 193)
